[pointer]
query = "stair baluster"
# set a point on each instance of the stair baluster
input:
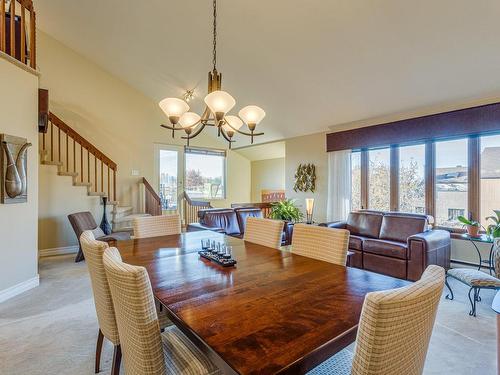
(58, 152)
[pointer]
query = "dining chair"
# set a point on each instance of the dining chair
(322, 243)
(393, 332)
(145, 350)
(265, 232)
(93, 251)
(156, 226)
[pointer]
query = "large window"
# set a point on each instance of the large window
(205, 173)
(356, 181)
(451, 182)
(490, 177)
(379, 180)
(412, 179)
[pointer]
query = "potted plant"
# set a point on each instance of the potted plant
(472, 226)
(285, 210)
(493, 230)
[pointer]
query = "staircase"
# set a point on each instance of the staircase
(74, 156)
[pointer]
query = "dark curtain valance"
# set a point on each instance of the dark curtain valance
(460, 123)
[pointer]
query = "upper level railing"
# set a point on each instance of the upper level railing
(78, 157)
(18, 30)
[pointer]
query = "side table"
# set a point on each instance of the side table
(483, 238)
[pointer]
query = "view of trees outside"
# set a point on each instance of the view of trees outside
(204, 176)
(379, 179)
(412, 179)
(355, 181)
(451, 179)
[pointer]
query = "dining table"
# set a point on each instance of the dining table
(273, 312)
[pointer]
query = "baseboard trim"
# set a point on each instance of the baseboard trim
(58, 251)
(19, 288)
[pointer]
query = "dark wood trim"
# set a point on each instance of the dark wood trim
(365, 162)
(459, 123)
(430, 178)
(394, 178)
(474, 172)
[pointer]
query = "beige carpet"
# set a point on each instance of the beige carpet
(52, 329)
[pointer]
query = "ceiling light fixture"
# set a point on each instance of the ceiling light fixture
(218, 105)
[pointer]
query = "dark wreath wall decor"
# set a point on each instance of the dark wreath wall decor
(305, 178)
(13, 169)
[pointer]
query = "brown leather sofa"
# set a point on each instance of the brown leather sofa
(230, 221)
(396, 244)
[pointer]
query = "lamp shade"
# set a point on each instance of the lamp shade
(189, 119)
(309, 205)
(227, 129)
(234, 121)
(174, 107)
(219, 102)
(252, 114)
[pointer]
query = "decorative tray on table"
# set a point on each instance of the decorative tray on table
(221, 260)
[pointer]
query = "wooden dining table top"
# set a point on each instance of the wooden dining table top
(273, 313)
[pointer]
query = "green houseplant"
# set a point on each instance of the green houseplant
(285, 210)
(472, 226)
(493, 230)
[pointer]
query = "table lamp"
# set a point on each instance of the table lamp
(309, 210)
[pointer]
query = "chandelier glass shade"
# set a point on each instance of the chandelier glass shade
(218, 105)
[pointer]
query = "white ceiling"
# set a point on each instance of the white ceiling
(263, 151)
(312, 65)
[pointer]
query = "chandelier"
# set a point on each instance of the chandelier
(218, 105)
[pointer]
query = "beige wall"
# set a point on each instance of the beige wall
(120, 121)
(267, 174)
(18, 222)
(308, 149)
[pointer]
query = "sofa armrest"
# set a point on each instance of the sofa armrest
(431, 247)
(194, 227)
(334, 224)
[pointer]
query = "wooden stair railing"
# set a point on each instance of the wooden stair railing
(152, 201)
(191, 208)
(14, 25)
(77, 157)
(265, 207)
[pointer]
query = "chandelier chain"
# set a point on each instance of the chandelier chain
(214, 53)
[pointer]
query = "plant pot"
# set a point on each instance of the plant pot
(473, 230)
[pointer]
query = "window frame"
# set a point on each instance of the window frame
(473, 167)
(208, 151)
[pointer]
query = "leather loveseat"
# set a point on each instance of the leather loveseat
(393, 243)
(230, 221)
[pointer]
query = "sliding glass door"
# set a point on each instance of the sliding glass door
(170, 176)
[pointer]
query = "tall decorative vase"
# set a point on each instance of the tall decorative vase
(105, 225)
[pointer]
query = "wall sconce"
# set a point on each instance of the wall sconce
(309, 210)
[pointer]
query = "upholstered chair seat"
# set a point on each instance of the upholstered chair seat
(322, 243)
(156, 226)
(265, 232)
(394, 330)
(476, 279)
(145, 350)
